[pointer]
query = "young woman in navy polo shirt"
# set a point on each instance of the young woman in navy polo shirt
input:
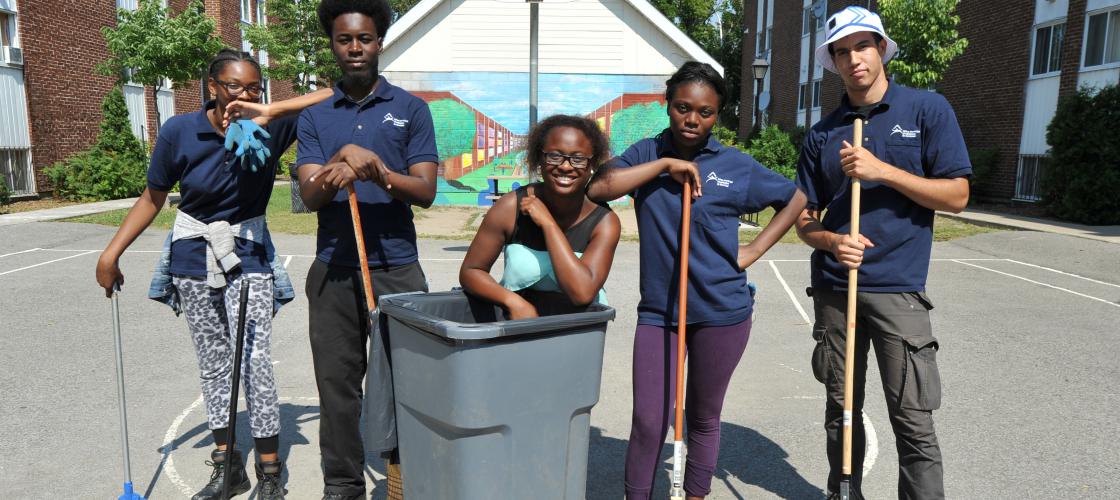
(726, 183)
(227, 203)
(558, 244)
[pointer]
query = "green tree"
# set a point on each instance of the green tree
(113, 168)
(400, 7)
(150, 45)
(454, 128)
(298, 49)
(926, 32)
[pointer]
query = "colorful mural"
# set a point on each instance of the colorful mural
(481, 120)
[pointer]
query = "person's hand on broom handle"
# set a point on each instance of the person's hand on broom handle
(850, 334)
(677, 490)
(367, 283)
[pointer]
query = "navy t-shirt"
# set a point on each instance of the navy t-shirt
(913, 130)
(398, 127)
(213, 185)
(734, 184)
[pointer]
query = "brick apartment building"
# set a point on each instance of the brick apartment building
(50, 92)
(1022, 56)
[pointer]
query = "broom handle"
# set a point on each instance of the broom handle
(850, 334)
(367, 283)
(682, 306)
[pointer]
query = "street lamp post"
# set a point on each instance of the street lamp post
(759, 66)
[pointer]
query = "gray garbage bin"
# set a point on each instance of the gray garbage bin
(492, 409)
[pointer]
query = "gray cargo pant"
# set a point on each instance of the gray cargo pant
(898, 326)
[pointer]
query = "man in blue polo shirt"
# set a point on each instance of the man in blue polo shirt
(912, 162)
(379, 138)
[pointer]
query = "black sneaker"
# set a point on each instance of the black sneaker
(268, 480)
(239, 482)
(340, 496)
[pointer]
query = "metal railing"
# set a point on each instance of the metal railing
(1028, 178)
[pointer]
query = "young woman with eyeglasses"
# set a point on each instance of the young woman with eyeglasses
(720, 303)
(221, 214)
(558, 244)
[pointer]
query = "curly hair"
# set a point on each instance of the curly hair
(600, 148)
(228, 55)
(696, 72)
(378, 10)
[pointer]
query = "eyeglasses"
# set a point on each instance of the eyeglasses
(554, 159)
(235, 89)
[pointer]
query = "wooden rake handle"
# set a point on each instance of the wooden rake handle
(682, 306)
(850, 334)
(367, 283)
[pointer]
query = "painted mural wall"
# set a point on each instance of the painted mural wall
(482, 119)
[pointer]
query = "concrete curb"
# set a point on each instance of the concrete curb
(1107, 234)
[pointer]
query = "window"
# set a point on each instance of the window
(805, 15)
(128, 4)
(816, 95)
(246, 11)
(1102, 39)
(261, 17)
(1048, 49)
(15, 168)
(6, 31)
(1028, 179)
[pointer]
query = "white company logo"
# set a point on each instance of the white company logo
(719, 182)
(907, 134)
(396, 121)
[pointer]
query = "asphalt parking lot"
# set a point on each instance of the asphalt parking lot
(1027, 323)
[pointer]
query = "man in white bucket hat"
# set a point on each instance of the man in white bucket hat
(912, 161)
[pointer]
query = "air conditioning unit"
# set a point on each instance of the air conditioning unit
(14, 55)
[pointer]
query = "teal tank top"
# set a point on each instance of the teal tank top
(528, 268)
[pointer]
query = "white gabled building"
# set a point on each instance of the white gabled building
(607, 59)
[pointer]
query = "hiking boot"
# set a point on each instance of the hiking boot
(239, 481)
(268, 480)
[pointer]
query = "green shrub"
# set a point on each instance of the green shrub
(774, 150)
(725, 136)
(983, 164)
(1082, 176)
(5, 194)
(114, 167)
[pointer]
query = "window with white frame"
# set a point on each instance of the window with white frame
(7, 29)
(1048, 49)
(246, 11)
(816, 95)
(807, 13)
(1102, 38)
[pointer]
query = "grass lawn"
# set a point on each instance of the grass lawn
(282, 220)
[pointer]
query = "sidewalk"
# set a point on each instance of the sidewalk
(72, 211)
(1108, 234)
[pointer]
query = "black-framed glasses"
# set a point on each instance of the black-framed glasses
(555, 159)
(235, 89)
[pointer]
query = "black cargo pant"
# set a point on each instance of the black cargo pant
(339, 333)
(897, 325)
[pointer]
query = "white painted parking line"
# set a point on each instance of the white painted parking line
(1053, 271)
(1047, 285)
(19, 252)
(288, 261)
(48, 262)
(789, 292)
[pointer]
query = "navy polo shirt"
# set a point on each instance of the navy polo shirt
(734, 184)
(911, 129)
(213, 185)
(398, 127)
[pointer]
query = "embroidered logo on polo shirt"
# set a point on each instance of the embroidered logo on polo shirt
(906, 134)
(396, 121)
(719, 182)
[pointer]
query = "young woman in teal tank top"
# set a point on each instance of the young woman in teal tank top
(558, 244)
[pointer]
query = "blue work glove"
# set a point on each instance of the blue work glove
(753, 288)
(248, 137)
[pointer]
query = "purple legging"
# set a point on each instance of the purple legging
(713, 352)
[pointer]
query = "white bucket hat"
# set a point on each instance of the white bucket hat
(848, 21)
